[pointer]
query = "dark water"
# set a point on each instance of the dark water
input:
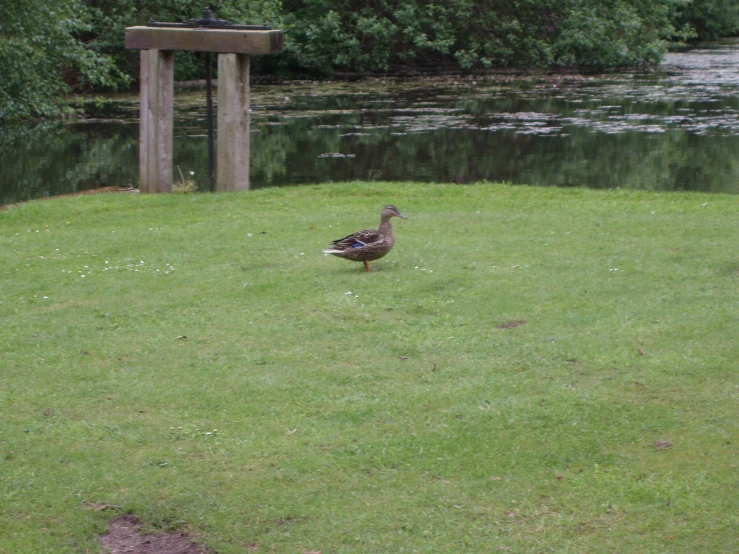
(673, 129)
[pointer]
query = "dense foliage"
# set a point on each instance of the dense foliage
(365, 36)
(48, 47)
(41, 53)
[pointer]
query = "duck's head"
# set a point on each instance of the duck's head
(391, 211)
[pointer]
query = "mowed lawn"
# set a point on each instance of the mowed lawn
(529, 370)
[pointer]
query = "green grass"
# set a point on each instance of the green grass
(211, 371)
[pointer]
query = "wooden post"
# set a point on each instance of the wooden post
(144, 122)
(157, 113)
(233, 122)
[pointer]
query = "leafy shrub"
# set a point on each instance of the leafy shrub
(711, 19)
(327, 35)
(41, 55)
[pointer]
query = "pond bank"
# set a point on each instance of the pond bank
(674, 129)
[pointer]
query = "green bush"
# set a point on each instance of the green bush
(41, 56)
(711, 19)
(326, 35)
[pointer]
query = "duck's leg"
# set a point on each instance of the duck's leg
(367, 266)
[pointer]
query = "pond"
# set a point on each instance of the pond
(676, 128)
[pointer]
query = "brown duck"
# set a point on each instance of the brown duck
(368, 245)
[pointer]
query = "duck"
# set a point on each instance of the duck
(370, 244)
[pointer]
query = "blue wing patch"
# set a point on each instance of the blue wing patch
(358, 245)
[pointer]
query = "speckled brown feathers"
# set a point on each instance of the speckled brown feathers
(370, 244)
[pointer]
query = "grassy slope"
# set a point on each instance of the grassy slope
(247, 397)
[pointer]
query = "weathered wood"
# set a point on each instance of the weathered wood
(233, 122)
(145, 122)
(157, 115)
(205, 40)
(157, 98)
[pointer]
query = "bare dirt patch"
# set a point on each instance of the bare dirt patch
(511, 324)
(123, 537)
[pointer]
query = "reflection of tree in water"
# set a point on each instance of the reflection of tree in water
(676, 160)
(51, 158)
(540, 134)
(288, 152)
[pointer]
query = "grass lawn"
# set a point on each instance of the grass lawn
(529, 370)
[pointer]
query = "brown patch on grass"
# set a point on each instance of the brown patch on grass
(123, 537)
(511, 324)
(100, 506)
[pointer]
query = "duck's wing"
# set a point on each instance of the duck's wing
(358, 239)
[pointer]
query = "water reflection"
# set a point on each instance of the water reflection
(677, 129)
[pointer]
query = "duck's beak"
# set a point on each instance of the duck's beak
(401, 216)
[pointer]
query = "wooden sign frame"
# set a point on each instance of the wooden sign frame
(234, 47)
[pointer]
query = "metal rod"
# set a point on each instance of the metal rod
(209, 94)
